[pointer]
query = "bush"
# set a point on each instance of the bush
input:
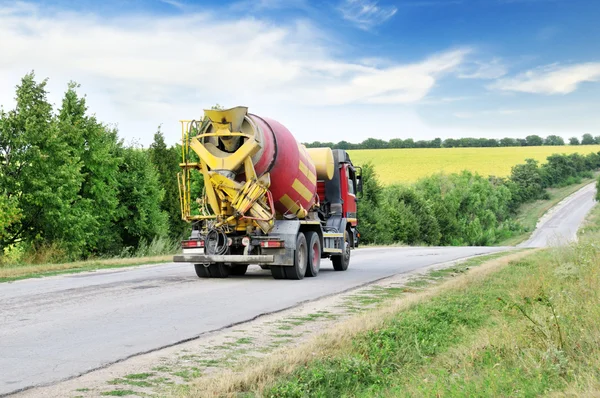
(462, 208)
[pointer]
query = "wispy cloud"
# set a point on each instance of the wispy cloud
(483, 69)
(142, 70)
(551, 79)
(487, 113)
(365, 13)
(174, 3)
(397, 84)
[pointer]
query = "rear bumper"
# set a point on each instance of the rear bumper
(232, 258)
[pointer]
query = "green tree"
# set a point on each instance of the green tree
(39, 175)
(554, 140)
(526, 182)
(508, 142)
(96, 145)
(370, 200)
(166, 162)
(587, 139)
(140, 217)
(534, 140)
(573, 141)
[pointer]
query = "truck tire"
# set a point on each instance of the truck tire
(218, 270)
(298, 270)
(239, 269)
(341, 262)
(313, 263)
(201, 271)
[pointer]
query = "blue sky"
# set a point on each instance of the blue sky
(328, 70)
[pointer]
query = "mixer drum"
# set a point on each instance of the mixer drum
(293, 174)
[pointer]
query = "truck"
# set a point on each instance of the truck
(265, 198)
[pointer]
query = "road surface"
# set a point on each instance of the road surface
(56, 328)
(559, 225)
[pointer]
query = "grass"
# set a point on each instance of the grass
(10, 273)
(523, 325)
(408, 165)
(530, 213)
(119, 393)
(250, 375)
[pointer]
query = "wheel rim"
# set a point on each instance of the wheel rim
(347, 251)
(315, 256)
(302, 258)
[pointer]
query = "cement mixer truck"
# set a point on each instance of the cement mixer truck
(266, 199)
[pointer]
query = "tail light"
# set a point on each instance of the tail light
(187, 244)
(269, 244)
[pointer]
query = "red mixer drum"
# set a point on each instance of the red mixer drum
(292, 172)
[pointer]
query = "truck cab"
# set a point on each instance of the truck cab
(339, 195)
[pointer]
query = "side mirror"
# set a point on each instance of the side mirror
(359, 182)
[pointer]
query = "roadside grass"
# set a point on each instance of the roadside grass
(591, 225)
(249, 375)
(523, 325)
(10, 273)
(530, 329)
(529, 214)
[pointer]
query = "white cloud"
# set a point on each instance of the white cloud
(146, 70)
(174, 3)
(397, 84)
(484, 70)
(551, 79)
(365, 13)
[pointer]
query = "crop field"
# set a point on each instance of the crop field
(408, 165)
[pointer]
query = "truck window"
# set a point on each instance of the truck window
(351, 189)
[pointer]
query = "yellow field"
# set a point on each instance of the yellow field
(408, 165)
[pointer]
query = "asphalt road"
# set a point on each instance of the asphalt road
(59, 327)
(559, 226)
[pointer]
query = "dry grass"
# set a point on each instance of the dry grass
(14, 272)
(256, 376)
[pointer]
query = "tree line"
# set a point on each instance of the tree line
(530, 140)
(71, 189)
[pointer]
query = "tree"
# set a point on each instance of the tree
(508, 142)
(140, 217)
(370, 200)
(166, 163)
(554, 140)
(587, 139)
(534, 140)
(96, 146)
(373, 143)
(527, 183)
(573, 141)
(40, 176)
(395, 143)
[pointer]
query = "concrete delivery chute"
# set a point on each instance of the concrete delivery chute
(266, 200)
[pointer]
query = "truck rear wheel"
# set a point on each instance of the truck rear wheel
(218, 270)
(201, 271)
(239, 269)
(314, 254)
(340, 263)
(298, 270)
